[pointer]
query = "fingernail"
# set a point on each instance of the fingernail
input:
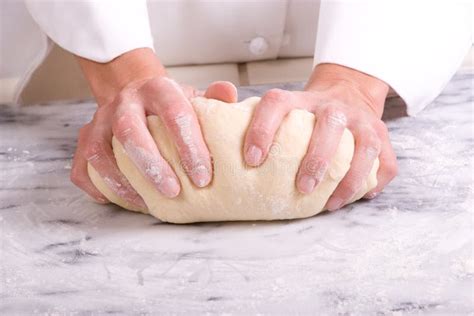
(201, 176)
(307, 184)
(169, 187)
(370, 196)
(253, 155)
(335, 204)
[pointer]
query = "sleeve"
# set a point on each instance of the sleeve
(97, 30)
(413, 46)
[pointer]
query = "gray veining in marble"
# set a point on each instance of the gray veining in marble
(409, 251)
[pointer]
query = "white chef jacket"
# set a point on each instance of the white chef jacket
(414, 46)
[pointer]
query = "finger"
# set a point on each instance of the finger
(367, 148)
(131, 131)
(99, 154)
(266, 120)
(80, 177)
(322, 148)
(179, 117)
(222, 90)
(388, 168)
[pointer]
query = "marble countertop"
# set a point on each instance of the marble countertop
(409, 251)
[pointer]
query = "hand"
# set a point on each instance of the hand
(340, 98)
(125, 118)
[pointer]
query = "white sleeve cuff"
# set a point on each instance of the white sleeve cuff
(413, 46)
(96, 30)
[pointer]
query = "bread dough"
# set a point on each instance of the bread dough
(238, 192)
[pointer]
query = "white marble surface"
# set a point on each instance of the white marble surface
(409, 251)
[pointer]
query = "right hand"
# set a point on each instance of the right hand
(125, 118)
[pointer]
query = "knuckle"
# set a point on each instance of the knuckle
(277, 96)
(76, 177)
(180, 119)
(261, 133)
(391, 170)
(151, 83)
(162, 82)
(371, 144)
(95, 150)
(123, 124)
(173, 112)
(120, 99)
(375, 143)
(335, 117)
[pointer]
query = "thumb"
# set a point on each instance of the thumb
(222, 90)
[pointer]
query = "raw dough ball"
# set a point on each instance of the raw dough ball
(238, 192)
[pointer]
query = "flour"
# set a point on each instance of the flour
(183, 122)
(268, 192)
(145, 160)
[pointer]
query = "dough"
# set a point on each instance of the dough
(238, 192)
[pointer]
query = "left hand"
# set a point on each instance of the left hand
(340, 98)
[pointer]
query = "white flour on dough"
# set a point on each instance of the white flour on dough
(238, 192)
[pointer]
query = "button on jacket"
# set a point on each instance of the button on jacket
(414, 46)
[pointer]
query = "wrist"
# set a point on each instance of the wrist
(373, 91)
(106, 80)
